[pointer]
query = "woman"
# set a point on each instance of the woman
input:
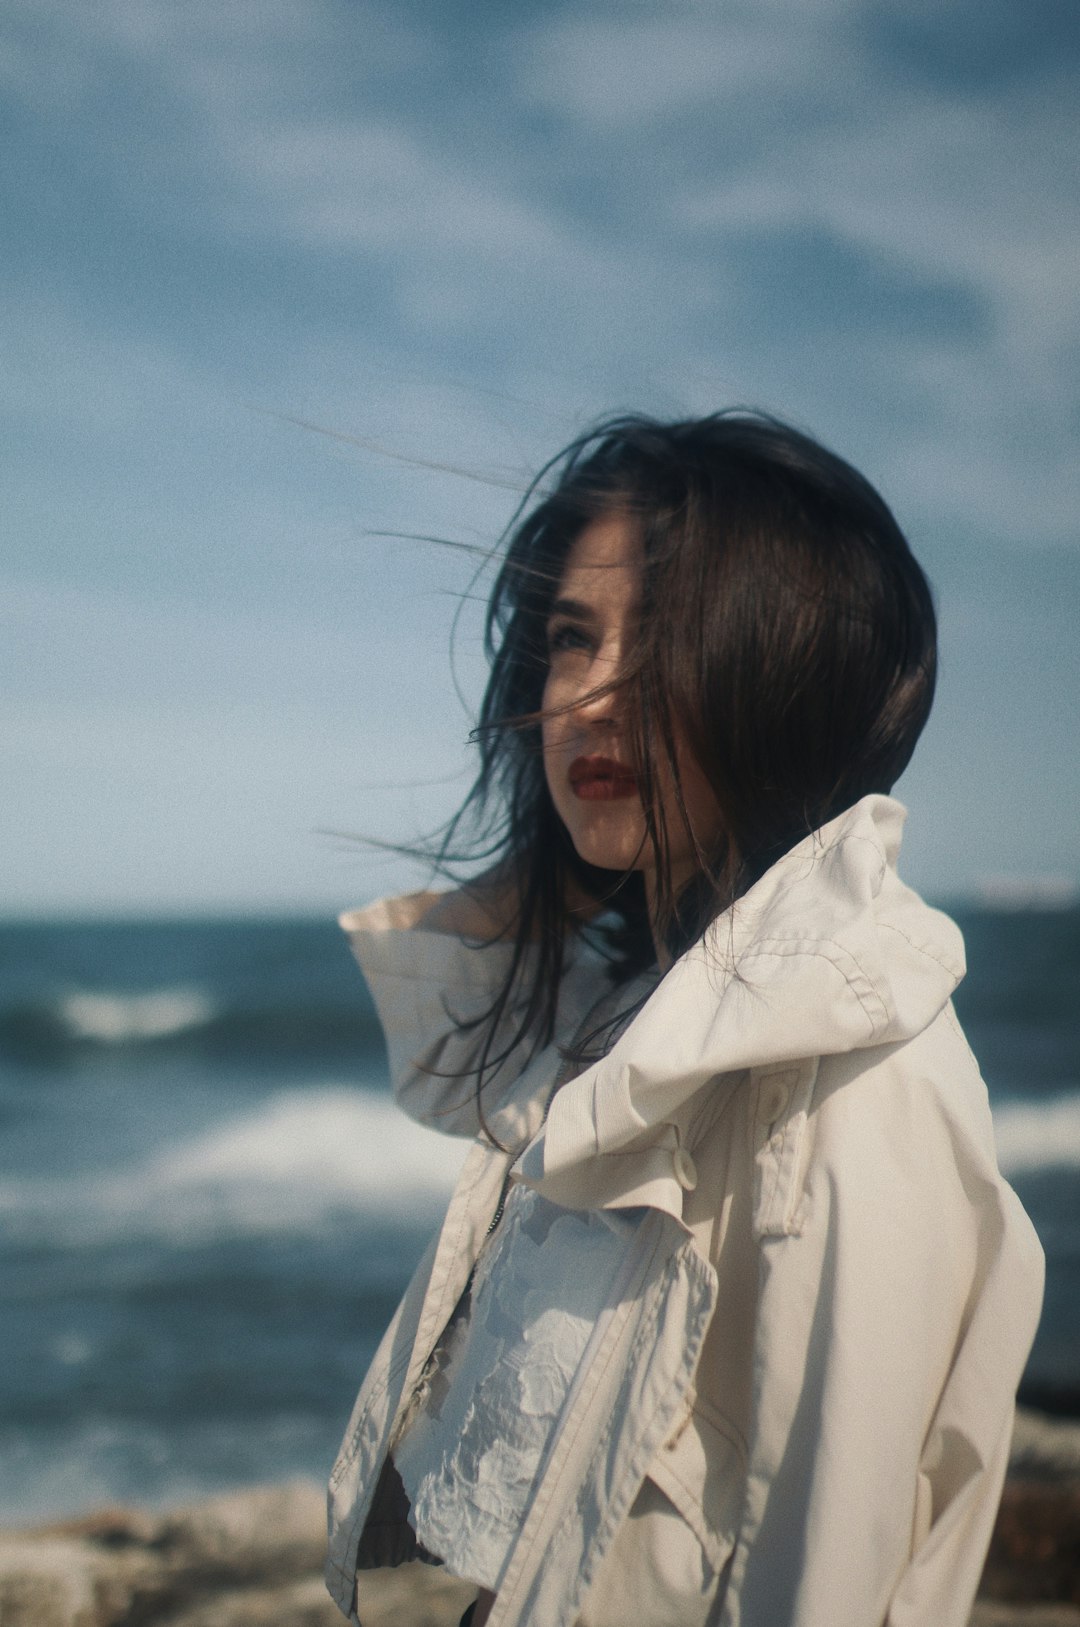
(727, 1314)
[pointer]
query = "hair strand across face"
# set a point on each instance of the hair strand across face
(789, 639)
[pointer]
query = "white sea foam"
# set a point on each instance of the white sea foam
(119, 1019)
(1038, 1135)
(296, 1161)
(301, 1158)
(350, 1146)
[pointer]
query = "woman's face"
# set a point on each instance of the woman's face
(588, 744)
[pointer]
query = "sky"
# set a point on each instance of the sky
(288, 286)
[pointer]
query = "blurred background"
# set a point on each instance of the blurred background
(287, 288)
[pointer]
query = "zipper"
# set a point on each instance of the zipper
(497, 1216)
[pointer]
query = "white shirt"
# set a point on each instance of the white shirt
(501, 1378)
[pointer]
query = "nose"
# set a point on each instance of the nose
(597, 707)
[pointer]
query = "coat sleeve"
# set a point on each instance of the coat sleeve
(966, 1454)
(425, 985)
(898, 1296)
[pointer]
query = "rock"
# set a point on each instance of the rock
(1035, 1550)
(1044, 1448)
(266, 1532)
(1034, 1558)
(411, 1596)
(254, 1558)
(987, 1613)
(249, 1559)
(295, 1604)
(124, 1566)
(48, 1581)
(108, 1527)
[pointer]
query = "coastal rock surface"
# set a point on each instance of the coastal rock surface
(254, 1559)
(251, 1558)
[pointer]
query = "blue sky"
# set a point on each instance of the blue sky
(457, 233)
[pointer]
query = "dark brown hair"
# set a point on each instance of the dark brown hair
(790, 635)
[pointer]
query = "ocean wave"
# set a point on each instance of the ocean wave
(74, 1023)
(297, 1162)
(1033, 1136)
(302, 1159)
(120, 1019)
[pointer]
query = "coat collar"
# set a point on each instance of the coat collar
(828, 953)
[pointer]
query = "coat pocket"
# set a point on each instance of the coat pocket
(668, 1561)
(702, 1470)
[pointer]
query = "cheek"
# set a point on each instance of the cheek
(554, 729)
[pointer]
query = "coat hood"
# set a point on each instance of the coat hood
(828, 953)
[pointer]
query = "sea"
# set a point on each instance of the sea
(209, 1204)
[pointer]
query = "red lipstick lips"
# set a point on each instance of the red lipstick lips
(601, 779)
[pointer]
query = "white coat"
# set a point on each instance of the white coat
(797, 1403)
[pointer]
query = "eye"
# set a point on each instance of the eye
(567, 635)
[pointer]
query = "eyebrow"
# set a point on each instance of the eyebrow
(573, 608)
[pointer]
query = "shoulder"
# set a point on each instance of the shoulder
(398, 914)
(879, 1105)
(420, 938)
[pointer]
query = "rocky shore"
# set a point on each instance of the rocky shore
(254, 1559)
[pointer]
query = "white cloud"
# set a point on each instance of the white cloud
(627, 75)
(620, 74)
(974, 195)
(476, 231)
(366, 184)
(155, 35)
(295, 131)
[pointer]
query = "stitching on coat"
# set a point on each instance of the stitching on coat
(818, 855)
(778, 1166)
(770, 1167)
(722, 1424)
(351, 1446)
(728, 1433)
(785, 1171)
(778, 948)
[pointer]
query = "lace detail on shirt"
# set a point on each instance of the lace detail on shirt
(501, 1378)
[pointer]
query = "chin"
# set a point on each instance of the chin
(607, 848)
